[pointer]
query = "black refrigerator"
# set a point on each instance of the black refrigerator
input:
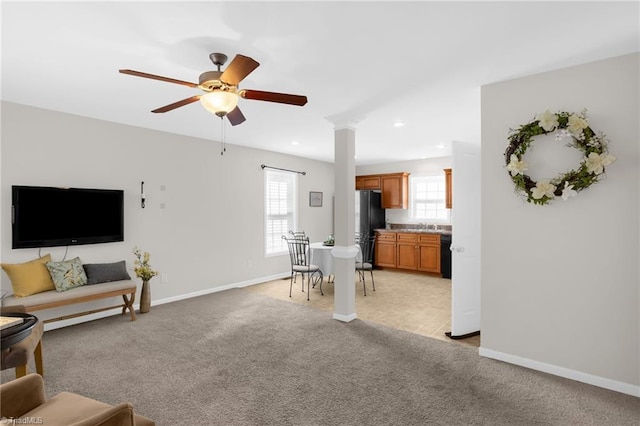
(369, 213)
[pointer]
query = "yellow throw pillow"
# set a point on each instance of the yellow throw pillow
(29, 277)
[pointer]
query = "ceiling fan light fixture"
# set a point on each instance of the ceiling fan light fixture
(219, 102)
(220, 89)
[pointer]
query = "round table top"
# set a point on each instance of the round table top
(16, 333)
(321, 245)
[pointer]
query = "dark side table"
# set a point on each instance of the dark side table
(16, 333)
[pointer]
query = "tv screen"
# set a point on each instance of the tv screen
(48, 217)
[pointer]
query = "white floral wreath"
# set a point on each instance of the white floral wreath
(567, 185)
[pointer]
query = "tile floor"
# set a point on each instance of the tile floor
(413, 302)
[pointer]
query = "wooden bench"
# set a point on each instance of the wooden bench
(86, 293)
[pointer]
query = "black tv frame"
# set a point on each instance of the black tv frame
(86, 210)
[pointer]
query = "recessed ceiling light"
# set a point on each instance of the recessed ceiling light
(295, 143)
(440, 146)
(399, 124)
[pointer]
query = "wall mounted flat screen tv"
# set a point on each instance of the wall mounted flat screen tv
(49, 217)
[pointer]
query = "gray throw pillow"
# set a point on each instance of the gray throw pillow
(106, 272)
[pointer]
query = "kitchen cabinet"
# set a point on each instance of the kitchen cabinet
(407, 251)
(385, 249)
(369, 182)
(395, 190)
(394, 187)
(418, 252)
(415, 251)
(448, 189)
(429, 252)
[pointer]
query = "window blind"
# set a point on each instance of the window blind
(280, 209)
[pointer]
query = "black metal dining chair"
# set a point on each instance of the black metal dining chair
(301, 263)
(297, 234)
(366, 243)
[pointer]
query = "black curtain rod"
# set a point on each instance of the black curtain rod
(284, 170)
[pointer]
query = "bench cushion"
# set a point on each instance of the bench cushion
(53, 296)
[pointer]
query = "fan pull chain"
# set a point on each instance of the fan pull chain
(223, 147)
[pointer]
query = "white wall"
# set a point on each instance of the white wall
(430, 166)
(209, 233)
(560, 282)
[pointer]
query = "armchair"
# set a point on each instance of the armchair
(24, 398)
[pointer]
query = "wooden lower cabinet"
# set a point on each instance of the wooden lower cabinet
(385, 249)
(429, 253)
(405, 250)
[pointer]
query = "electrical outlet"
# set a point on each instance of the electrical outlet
(164, 278)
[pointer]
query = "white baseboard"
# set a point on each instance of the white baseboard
(345, 318)
(603, 382)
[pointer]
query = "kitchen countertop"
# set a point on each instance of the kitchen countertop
(415, 231)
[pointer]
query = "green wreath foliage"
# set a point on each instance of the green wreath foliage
(576, 129)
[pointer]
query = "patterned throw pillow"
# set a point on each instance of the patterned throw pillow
(68, 274)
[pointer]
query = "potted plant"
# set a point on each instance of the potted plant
(142, 268)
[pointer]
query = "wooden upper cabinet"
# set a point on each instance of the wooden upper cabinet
(395, 190)
(370, 182)
(448, 189)
(394, 187)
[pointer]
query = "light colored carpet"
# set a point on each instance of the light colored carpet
(409, 301)
(240, 358)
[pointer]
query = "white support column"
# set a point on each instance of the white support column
(345, 251)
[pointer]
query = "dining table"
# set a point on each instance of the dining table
(322, 257)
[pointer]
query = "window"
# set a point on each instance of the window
(427, 198)
(281, 209)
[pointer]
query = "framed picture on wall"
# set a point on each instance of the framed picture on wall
(315, 199)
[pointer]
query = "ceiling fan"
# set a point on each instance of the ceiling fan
(221, 93)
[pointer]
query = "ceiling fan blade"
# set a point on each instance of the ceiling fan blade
(282, 98)
(158, 77)
(178, 104)
(238, 69)
(235, 116)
